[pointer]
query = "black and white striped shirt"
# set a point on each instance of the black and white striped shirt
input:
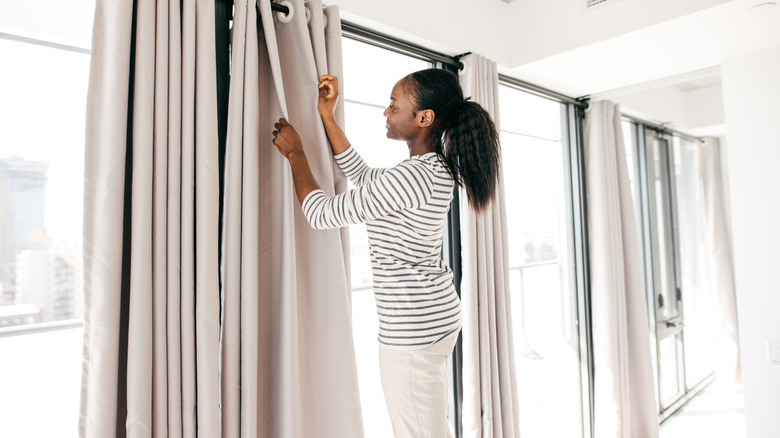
(405, 209)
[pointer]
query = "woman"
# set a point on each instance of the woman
(451, 141)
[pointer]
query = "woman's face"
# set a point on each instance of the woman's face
(402, 123)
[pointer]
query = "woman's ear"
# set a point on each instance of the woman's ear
(426, 118)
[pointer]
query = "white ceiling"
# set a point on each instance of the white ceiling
(674, 48)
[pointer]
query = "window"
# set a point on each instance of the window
(699, 309)
(544, 296)
(42, 119)
(666, 181)
(369, 76)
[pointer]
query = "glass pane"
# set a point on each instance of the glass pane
(662, 233)
(632, 159)
(41, 181)
(544, 306)
(698, 305)
(529, 115)
(42, 119)
(669, 380)
(369, 76)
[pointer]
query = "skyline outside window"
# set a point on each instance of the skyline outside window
(42, 119)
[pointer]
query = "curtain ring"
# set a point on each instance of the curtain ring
(285, 18)
(308, 15)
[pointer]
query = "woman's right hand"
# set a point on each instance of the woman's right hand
(329, 95)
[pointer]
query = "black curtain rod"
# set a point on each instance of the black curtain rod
(276, 7)
(541, 91)
(660, 127)
(379, 39)
(371, 36)
(279, 8)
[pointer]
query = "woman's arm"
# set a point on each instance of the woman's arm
(326, 105)
(407, 186)
(288, 142)
(351, 164)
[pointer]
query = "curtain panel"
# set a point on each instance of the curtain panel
(289, 366)
(177, 343)
(625, 404)
(720, 264)
(490, 403)
(151, 329)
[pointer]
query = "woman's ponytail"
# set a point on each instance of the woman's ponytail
(472, 150)
(465, 135)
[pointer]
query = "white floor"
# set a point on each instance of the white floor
(719, 411)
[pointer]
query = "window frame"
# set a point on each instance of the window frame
(643, 130)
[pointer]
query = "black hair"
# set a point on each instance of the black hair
(465, 135)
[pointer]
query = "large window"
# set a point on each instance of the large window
(544, 296)
(699, 307)
(42, 117)
(666, 180)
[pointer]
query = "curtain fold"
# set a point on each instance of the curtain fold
(288, 356)
(625, 404)
(159, 357)
(720, 264)
(490, 403)
(151, 331)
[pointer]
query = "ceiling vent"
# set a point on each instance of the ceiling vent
(591, 3)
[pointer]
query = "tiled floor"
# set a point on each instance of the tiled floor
(718, 412)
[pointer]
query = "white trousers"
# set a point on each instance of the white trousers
(415, 387)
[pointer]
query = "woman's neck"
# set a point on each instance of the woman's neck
(420, 145)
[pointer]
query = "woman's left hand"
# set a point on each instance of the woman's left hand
(286, 139)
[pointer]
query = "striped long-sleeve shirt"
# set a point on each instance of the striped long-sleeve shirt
(405, 209)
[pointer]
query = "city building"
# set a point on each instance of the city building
(22, 208)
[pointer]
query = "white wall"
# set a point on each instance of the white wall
(704, 108)
(751, 95)
(664, 105)
(696, 112)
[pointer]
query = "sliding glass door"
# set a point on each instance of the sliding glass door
(698, 302)
(667, 188)
(543, 284)
(663, 281)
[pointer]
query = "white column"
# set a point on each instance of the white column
(751, 92)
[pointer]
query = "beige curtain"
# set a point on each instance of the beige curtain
(720, 265)
(288, 356)
(490, 403)
(151, 329)
(625, 404)
(159, 357)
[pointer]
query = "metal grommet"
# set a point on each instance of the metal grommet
(308, 15)
(285, 18)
